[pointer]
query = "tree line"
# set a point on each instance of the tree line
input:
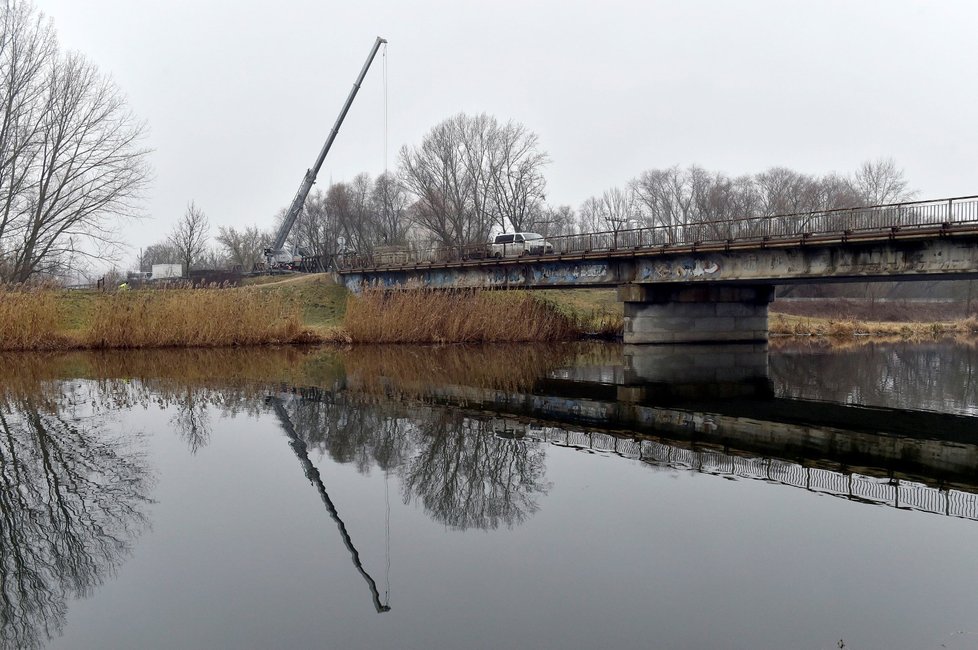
(472, 176)
(469, 176)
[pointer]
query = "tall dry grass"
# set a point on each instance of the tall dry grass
(208, 317)
(789, 325)
(459, 316)
(30, 318)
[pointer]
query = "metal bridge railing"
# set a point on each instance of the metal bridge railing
(842, 224)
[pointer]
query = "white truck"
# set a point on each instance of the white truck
(517, 244)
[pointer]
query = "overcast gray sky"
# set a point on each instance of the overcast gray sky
(240, 95)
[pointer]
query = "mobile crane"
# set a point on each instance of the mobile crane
(276, 256)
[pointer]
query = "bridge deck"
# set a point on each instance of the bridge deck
(906, 222)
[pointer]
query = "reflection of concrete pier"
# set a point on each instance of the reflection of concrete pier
(695, 371)
(685, 371)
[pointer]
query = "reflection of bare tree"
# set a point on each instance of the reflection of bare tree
(467, 478)
(348, 432)
(71, 500)
(462, 474)
(192, 420)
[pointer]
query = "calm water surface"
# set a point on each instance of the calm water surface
(521, 497)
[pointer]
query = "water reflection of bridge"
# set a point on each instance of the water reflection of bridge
(711, 410)
(875, 456)
(869, 487)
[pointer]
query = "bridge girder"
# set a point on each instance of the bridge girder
(938, 258)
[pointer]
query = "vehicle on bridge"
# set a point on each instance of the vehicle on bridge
(516, 244)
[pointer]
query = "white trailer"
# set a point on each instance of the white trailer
(167, 271)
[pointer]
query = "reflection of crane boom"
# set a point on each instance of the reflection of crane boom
(276, 255)
(299, 447)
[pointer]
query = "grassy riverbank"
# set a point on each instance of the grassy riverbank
(313, 309)
(52, 319)
(792, 325)
(296, 309)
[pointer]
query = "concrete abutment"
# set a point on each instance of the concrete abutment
(714, 313)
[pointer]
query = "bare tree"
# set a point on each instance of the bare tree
(390, 208)
(213, 257)
(27, 47)
(614, 210)
(469, 173)
(664, 198)
(516, 173)
(340, 208)
(556, 221)
(352, 207)
(881, 181)
(437, 174)
(723, 207)
(315, 230)
(589, 216)
(159, 253)
(70, 158)
(244, 248)
(189, 236)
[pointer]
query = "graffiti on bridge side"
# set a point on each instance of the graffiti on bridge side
(682, 269)
(540, 274)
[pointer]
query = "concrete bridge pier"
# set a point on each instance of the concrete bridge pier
(703, 313)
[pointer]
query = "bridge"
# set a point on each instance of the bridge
(707, 281)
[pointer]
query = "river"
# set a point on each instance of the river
(579, 496)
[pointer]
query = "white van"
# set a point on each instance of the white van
(515, 244)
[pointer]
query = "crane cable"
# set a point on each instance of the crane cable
(387, 495)
(385, 108)
(387, 573)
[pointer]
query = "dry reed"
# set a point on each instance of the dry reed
(194, 318)
(30, 319)
(787, 325)
(600, 324)
(453, 316)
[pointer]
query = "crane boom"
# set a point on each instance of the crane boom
(310, 176)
